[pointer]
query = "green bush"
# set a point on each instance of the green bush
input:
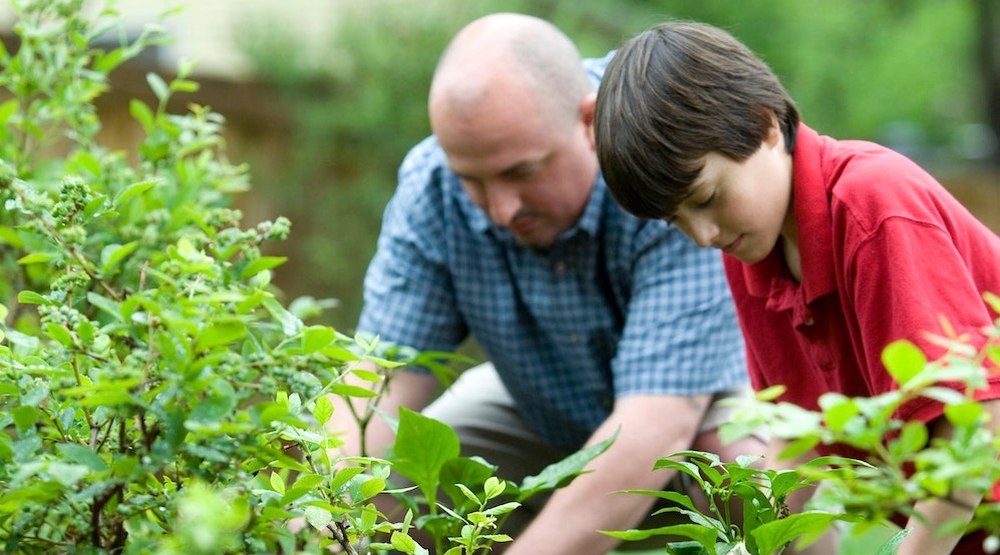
(155, 395)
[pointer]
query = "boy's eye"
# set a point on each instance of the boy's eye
(706, 201)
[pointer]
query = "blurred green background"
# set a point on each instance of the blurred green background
(909, 73)
(330, 94)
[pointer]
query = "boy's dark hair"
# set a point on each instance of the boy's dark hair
(670, 96)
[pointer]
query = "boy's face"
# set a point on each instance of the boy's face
(741, 208)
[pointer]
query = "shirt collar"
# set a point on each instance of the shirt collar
(813, 218)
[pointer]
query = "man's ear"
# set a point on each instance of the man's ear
(588, 109)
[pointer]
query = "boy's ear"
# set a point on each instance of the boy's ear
(588, 110)
(774, 136)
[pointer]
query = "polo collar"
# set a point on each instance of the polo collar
(811, 204)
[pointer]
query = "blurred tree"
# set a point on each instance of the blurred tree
(989, 63)
(900, 71)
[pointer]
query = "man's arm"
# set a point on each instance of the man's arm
(923, 538)
(651, 427)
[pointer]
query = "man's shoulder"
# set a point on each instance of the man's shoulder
(595, 67)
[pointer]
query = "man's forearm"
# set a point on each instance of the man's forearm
(569, 522)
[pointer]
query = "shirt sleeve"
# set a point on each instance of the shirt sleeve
(681, 335)
(904, 278)
(408, 293)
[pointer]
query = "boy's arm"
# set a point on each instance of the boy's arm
(923, 538)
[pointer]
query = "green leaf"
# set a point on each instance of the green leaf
(562, 472)
(220, 333)
(315, 338)
(290, 323)
(9, 236)
(81, 454)
(36, 258)
(345, 390)
(142, 114)
(159, 86)
(258, 265)
(423, 445)
(318, 518)
(113, 254)
(30, 297)
(892, 544)
(133, 191)
(403, 543)
(809, 525)
(964, 415)
(277, 483)
(903, 360)
(322, 410)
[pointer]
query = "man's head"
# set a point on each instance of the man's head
(512, 107)
(671, 96)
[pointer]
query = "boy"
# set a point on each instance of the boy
(833, 248)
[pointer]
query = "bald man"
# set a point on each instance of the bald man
(594, 321)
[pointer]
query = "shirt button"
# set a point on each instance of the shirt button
(559, 267)
(809, 322)
(574, 339)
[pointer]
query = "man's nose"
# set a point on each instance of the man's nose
(502, 204)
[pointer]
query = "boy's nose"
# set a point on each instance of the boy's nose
(703, 231)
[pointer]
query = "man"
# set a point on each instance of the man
(594, 321)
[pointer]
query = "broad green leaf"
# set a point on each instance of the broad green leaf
(315, 338)
(903, 360)
(771, 393)
(159, 86)
(318, 518)
(260, 264)
(403, 543)
(30, 297)
(322, 410)
(277, 483)
(892, 544)
(133, 191)
(113, 254)
(704, 536)
(345, 390)
(106, 305)
(808, 525)
(220, 333)
(141, 112)
(81, 454)
(423, 445)
(471, 471)
(36, 258)
(9, 236)
(562, 472)
(60, 334)
(964, 414)
(290, 324)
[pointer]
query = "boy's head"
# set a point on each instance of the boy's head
(672, 95)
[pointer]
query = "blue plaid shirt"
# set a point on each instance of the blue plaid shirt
(618, 306)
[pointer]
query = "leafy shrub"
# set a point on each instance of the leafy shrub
(155, 396)
(895, 473)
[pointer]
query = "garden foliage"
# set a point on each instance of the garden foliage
(898, 464)
(156, 396)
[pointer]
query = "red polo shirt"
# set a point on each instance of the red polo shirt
(886, 252)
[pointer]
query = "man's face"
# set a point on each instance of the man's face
(740, 208)
(531, 176)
